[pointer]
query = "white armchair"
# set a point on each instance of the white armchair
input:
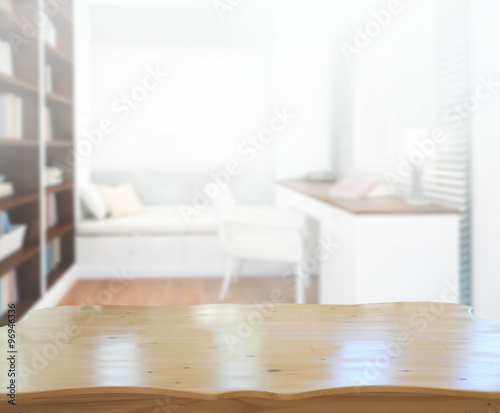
(272, 236)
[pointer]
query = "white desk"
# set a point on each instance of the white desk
(388, 251)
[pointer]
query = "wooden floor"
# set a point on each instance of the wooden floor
(182, 291)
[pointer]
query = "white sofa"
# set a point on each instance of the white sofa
(157, 243)
(156, 220)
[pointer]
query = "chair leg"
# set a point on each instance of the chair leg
(237, 264)
(231, 266)
(307, 279)
(299, 286)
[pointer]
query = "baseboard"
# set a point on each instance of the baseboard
(250, 269)
(58, 290)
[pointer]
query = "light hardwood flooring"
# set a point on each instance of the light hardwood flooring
(182, 291)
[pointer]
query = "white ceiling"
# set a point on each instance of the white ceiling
(197, 26)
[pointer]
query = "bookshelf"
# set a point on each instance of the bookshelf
(23, 161)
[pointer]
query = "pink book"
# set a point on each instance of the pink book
(352, 188)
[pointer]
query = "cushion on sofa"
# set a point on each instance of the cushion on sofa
(93, 201)
(121, 200)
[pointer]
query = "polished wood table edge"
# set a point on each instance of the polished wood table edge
(298, 186)
(378, 391)
(363, 390)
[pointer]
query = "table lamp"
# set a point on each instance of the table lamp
(412, 152)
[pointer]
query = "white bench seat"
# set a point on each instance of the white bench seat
(158, 243)
(154, 221)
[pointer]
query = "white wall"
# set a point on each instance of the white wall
(486, 163)
(303, 82)
(228, 76)
(218, 91)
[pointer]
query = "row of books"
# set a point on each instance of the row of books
(5, 225)
(8, 291)
(49, 130)
(51, 211)
(50, 29)
(6, 62)
(11, 116)
(52, 256)
(7, 65)
(50, 33)
(49, 86)
(53, 175)
(6, 188)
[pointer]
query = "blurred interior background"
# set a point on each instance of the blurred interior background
(174, 152)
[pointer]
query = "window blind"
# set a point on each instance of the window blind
(408, 78)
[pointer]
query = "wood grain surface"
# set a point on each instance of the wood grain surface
(256, 358)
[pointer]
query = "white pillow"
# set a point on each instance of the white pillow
(94, 202)
(121, 200)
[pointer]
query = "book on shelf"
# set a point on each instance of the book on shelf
(48, 79)
(53, 175)
(6, 5)
(8, 291)
(6, 65)
(52, 256)
(11, 116)
(51, 211)
(5, 225)
(50, 33)
(49, 132)
(6, 189)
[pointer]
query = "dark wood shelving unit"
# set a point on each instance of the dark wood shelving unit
(59, 144)
(58, 99)
(23, 161)
(18, 142)
(22, 307)
(16, 85)
(54, 55)
(58, 231)
(18, 258)
(67, 17)
(14, 201)
(9, 21)
(57, 273)
(65, 186)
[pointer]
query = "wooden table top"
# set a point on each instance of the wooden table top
(211, 352)
(375, 205)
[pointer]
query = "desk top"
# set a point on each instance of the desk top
(282, 351)
(376, 205)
